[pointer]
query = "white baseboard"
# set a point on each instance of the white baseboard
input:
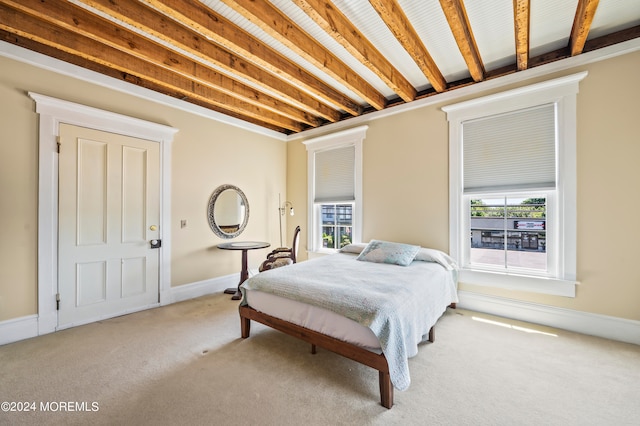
(18, 329)
(201, 288)
(608, 327)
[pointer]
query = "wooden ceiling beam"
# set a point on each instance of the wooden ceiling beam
(271, 20)
(521, 23)
(458, 21)
(44, 32)
(78, 19)
(43, 49)
(337, 25)
(585, 12)
(395, 19)
(155, 23)
(207, 22)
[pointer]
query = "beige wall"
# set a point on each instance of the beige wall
(18, 195)
(405, 178)
(206, 153)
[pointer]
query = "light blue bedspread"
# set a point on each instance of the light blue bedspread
(398, 303)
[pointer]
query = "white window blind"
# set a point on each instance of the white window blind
(335, 175)
(509, 151)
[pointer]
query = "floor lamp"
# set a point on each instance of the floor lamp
(281, 209)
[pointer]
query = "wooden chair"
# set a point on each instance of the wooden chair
(282, 256)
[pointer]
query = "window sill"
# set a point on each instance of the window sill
(552, 286)
(320, 252)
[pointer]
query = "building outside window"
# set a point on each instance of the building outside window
(508, 233)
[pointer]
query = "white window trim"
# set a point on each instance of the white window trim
(563, 92)
(352, 137)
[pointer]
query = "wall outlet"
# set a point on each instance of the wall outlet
(183, 223)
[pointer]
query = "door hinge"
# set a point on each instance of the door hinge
(57, 301)
(58, 144)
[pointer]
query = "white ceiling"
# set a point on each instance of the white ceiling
(491, 20)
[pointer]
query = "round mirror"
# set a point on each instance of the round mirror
(228, 211)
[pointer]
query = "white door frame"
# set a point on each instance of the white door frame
(52, 112)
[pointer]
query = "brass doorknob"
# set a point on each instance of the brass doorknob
(153, 227)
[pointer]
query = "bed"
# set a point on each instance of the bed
(373, 303)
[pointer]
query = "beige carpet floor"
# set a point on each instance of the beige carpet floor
(185, 364)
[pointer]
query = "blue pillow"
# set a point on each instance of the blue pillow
(388, 252)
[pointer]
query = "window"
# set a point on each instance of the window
(337, 225)
(508, 233)
(513, 187)
(335, 189)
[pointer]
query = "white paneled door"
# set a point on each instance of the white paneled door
(109, 215)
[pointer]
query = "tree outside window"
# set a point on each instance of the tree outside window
(337, 223)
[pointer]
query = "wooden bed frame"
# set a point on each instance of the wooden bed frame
(348, 350)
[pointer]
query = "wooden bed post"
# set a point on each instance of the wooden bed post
(245, 326)
(386, 389)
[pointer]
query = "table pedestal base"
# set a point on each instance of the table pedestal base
(237, 295)
(244, 273)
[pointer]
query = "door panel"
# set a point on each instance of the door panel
(92, 185)
(91, 283)
(133, 194)
(108, 205)
(132, 270)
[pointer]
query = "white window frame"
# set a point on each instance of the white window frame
(351, 137)
(561, 214)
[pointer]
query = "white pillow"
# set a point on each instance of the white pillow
(353, 248)
(437, 256)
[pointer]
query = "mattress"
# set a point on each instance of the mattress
(314, 318)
